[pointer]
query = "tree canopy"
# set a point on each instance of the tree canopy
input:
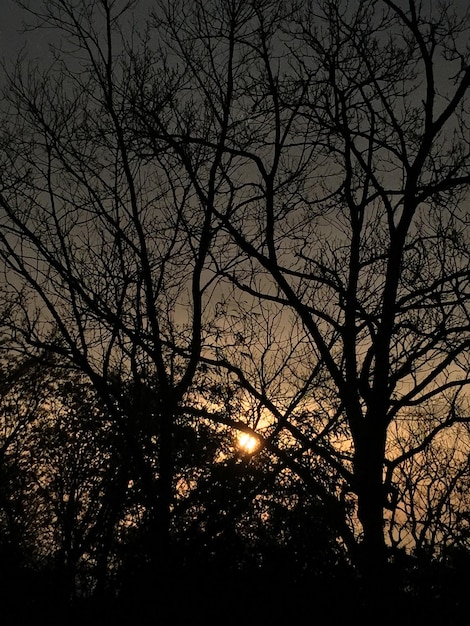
(231, 216)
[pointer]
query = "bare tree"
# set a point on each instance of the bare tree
(343, 197)
(431, 506)
(276, 191)
(105, 254)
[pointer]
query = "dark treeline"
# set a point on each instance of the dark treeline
(247, 541)
(234, 312)
(74, 521)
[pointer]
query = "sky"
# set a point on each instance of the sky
(35, 44)
(11, 39)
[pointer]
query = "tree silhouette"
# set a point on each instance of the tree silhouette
(118, 248)
(256, 214)
(342, 197)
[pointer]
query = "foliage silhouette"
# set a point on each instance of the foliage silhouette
(240, 217)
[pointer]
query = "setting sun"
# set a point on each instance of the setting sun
(247, 442)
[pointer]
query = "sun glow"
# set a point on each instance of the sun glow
(247, 442)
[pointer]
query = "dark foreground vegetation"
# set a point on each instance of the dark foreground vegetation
(424, 592)
(248, 543)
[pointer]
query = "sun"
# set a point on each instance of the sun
(248, 443)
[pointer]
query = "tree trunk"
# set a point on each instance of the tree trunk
(368, 467)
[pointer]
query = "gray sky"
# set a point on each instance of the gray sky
(35, 44)
(11, 40)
